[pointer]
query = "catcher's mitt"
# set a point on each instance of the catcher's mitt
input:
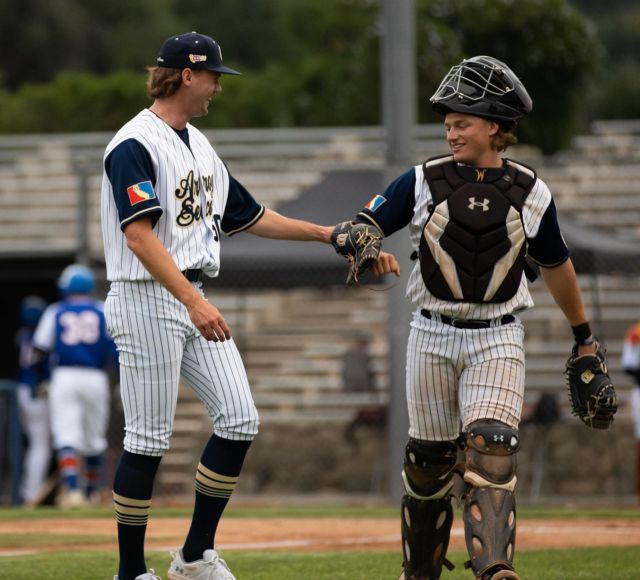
(592, 395)
(360, 244)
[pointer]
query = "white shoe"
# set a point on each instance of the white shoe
(72, 499)
(211, 567)
(146, 576)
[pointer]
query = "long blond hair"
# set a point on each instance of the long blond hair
(503, 139)
(163, 82)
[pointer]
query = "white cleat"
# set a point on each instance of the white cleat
(73, 499)
(211, 567)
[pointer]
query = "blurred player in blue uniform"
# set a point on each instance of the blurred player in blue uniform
(73, 332)
(32, 403)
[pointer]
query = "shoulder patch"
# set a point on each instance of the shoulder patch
(375, 202)
(140, 192)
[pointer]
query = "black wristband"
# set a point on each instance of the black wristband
(582, 333)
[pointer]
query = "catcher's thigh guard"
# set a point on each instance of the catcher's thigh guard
(427, 514)
(489, 512)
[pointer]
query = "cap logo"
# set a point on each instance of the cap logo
(197, 58)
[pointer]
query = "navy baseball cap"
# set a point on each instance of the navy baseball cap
(194, 51)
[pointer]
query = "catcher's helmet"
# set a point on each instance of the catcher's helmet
(485, 87)
(76, 279)
(31, 309)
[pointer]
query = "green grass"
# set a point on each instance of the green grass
(583, 564)
(25, 541)
(567, 564)
(7, 514)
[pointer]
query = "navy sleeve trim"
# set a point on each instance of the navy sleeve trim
(248, 225)
(393, 210)
(131, 173)
(241, 209)
(367, 217)
(548, 248)
(142, 213)
(550, 265)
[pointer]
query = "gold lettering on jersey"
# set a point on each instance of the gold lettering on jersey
(207, 182)
(188, 193)
(480, 174)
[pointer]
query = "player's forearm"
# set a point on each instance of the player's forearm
(278, 227)
(563, 286)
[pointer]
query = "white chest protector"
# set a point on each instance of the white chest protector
(473, 245)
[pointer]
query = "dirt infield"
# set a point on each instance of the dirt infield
(324, 534)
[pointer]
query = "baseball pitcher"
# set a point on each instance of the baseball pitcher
(167, 200)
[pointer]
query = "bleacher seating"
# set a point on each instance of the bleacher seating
(40, 175)
(293, 341)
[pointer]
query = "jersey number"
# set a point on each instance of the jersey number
(80, 328)
(216, 227)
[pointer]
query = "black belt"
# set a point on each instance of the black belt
(472, 324)
(193, 275)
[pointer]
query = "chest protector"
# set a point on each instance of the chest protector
(473, 245)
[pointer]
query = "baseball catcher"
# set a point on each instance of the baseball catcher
(360, 244)
(592, 395)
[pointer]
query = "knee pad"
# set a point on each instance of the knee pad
(428, 468)
(490, 455)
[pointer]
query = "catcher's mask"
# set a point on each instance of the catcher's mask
(485, 87)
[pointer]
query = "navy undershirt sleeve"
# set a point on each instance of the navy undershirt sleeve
(548, 248)
(133, 179)
(241, 211)
(392, 210)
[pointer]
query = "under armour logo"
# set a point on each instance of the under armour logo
(497, 438)
(484, 204)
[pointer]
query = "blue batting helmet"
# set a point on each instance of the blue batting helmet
(31, 309)
(76, 279)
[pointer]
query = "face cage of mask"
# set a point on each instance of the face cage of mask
(473, 84)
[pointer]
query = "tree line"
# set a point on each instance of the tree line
(79, 65)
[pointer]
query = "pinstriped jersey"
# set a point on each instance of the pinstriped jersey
(181, 183)
(408, 201)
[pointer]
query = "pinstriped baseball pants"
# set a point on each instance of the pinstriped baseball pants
(456, 376)
(158, 344)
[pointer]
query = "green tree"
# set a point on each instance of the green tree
(304, 62)
(73, 102)
(319, 65)
(43, 38)
(547, 43)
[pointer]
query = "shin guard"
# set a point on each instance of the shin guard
(490, 530)
(426, 527)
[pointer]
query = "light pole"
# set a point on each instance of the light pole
(398, 68)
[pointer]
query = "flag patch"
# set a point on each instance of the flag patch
(140, 192)
(375, 203)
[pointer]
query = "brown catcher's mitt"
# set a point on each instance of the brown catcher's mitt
(360, 244)
(591, 393)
